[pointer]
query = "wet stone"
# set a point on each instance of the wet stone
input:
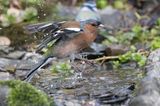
(32, 56)
(117, 19)
(20, 74)
(83, 88)
(5, 76)
(16, 54)
(148, 94)
(4, 41)
(73, 83)
(10, 69)
(72, 103)
(149, 90)
(82, 93)
(2, 69)
(4, 90)
(7, 62)
(5, 49)
(113, 20)
(25, 65)
(66, 11)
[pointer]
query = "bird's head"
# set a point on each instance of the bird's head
(94, 22)
(91, 22)
(91, 26)
(88, 11)
(90, 3)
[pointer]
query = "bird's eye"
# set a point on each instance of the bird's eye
(94, 24)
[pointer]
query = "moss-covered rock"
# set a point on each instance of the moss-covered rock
(23, 94)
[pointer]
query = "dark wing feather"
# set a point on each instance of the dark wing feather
(68, 34)
(43, 27)
(59, 36)
(45, 41)
(54, 32)
(71, 33)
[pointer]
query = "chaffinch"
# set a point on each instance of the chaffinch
(88, 11)
(69, 38)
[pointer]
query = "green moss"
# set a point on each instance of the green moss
(101, 3)
(24, 94)
(119, 4)
(63, 68)
(137, 57)
(155, 44)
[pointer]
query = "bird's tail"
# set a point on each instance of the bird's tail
(42, 27)
(31, 73)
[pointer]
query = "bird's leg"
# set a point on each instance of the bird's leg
(82, 57)
(72, 58)
(78, 69)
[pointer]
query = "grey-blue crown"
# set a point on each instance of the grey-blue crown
(90, 3)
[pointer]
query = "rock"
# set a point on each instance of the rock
(18, 67)
(5, 76)
(149, 94)
(32, 56)
(8, 62)
(20, 74)
(113, 18)
(16, 54)
(25, 65)
(4, 90)
(72, 103)
(4, 41)
(149, 90)
(5, 50)
(129, 19)
(108, 10)
(10, 69)
(67, 11)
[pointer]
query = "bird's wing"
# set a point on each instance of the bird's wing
(58, 36)
(44, 43)
(43, 27)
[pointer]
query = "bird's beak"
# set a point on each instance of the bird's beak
(101, 26)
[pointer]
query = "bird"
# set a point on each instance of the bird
(88, 11)
(69, 38)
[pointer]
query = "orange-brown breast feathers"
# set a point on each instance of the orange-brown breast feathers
(78, 43)
(90, 33)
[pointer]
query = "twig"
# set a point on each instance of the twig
(116, 57)
(106, 58)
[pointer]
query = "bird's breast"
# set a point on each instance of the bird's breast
(71, 46)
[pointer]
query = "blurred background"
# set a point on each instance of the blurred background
(14, 14)
(132, 32)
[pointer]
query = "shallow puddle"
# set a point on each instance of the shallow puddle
(91, 88)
